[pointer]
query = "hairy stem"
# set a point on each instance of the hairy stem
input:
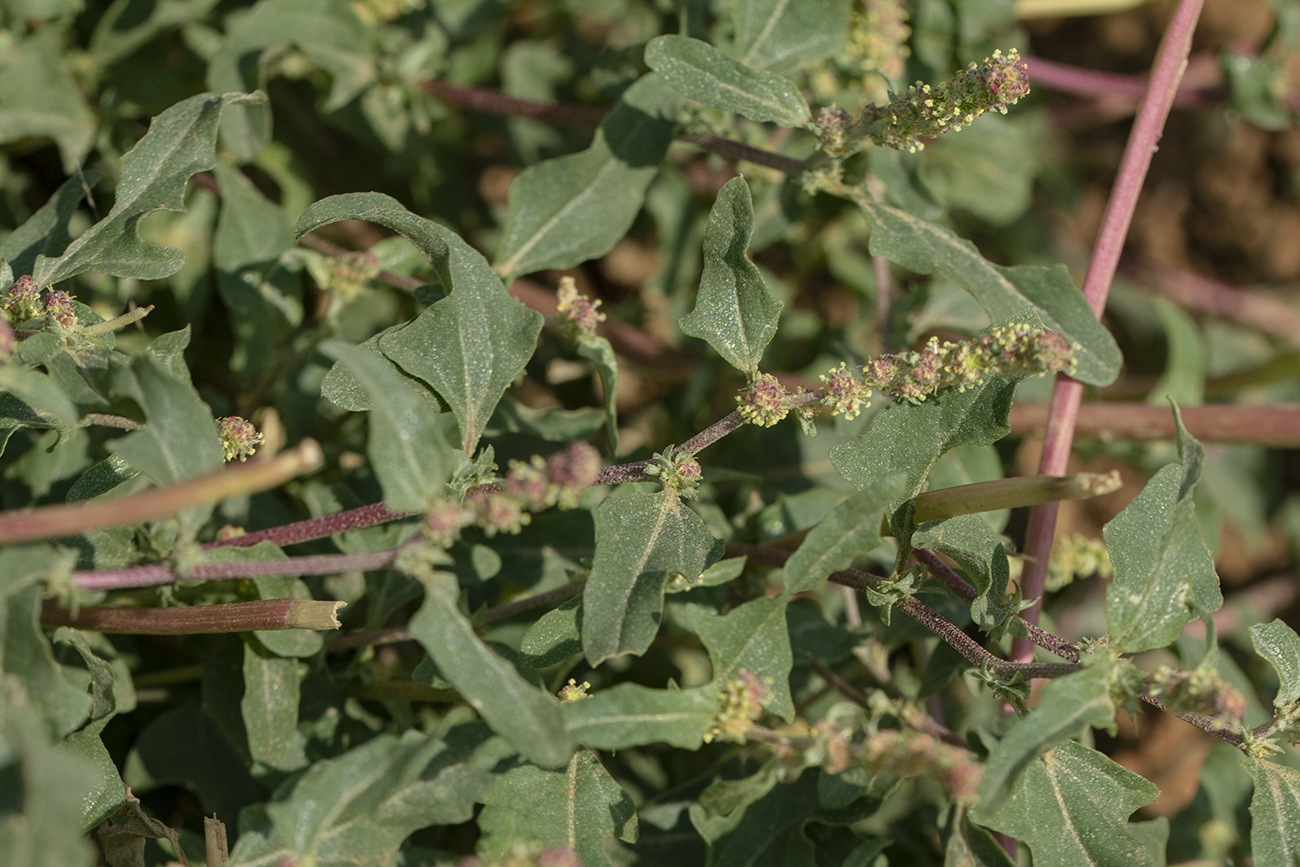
(1171, 60)
(52, 522)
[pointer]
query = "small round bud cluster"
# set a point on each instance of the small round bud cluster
(349, 275)
(1077, 556)
(878, 38)
(679, 471)
(521, 854)
(22, 301)
(740, 703)
(916, 754)
(239, 439)
(763, 401)
(574, 691)
(59, 311)
(845, 394)
(1016, 349)
(530, 486)
(578, 314)
(832, 126)
(926, 111)
(1202, 691)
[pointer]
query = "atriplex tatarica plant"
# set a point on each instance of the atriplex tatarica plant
(508, 513)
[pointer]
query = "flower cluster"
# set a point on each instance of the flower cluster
(763, 401)
(348, 275)
(926, 111)
(916, 754)
(1016, 349)
(740, 703)
(578, 314)
(529, 486)
(59, 311)
(878, 38)
(239, 439)
(845, 394)
(574, 691)
(1201, 691)
(1074, 557)
(679, 472)
(22, 301)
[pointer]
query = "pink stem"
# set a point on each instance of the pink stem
(1171, 60)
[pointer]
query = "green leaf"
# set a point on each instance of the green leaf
(851, 530)
(410, 456)
(982, 555)
(1047, 294)
(515, 709)
(641, 539)
(770, 831)
(1069, 705)
(734, 311)
(1279, 644)
(263, 302)
(470, 345)
(1274, 814)
(42, 99)
(1072, 807)
(45, 233)
(182, 747)
(327, 33)
(179, 440)
(569, 209)
(555, 637)
(701, 72)
(598, 351)
(778, 34)
(358, 807)
(752, 637)
(971, 846)
(25, 654)
(910, 438)
(580, 807)
(181, 141)
(1164, 576)
(33, 399)
(44, 788)
(631, 715)
(269, 706)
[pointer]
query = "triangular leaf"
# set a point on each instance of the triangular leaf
(569, 209)
(1164, 576)
(701, 72)
(180, 142)
(641, 539)
(1071, 808)
(752, 637)
(734, 311)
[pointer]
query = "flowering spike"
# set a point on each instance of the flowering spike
(579, 315)
(926, 111)
(58, 307)
(23, 300)
(239, 439)
(763, 401)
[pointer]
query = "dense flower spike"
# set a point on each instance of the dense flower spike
(916, 754)
(58, 308)
(23, 300)
(740, 703)
(1202, 691)
(927, 112)
(578, 314)
(239, 439)
(846, 395)
(763, 401)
